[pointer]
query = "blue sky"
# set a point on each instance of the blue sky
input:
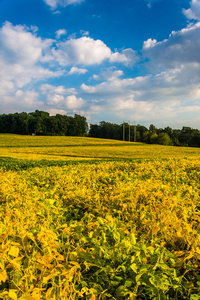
(109, 60)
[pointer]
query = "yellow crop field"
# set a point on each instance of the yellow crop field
(93, 219)
(76, 148)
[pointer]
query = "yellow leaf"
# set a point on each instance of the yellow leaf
(198, 250)
(27, 298)
(49, 292)
(133, 238)
(12, 294)
(179, 234)
(14, 251)
(109, 218)
(155, 230)
(3, 276)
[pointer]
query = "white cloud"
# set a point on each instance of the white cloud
(194, 11)
(181, 47)
(161, 98)
(111, 75)
(29, 97)
(19, 45)
(75, 70)
(84, 32)
(171, 92)
(21, 100)
(63, 3)
(55, 111)
(6, 87)
(56, 98)
(149, 43)
(87, 51)
(96, 77)
(128, 57)
(150, 2)
(48, 88)
(60, 32)
(117, 86)
(84, 51)
(51, 89)
(22, 54)
(73, 103)
(52, 3)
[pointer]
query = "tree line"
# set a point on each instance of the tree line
(186, 136)
(41, 123)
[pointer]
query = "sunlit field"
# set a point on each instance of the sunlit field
(75, 148)
(84, 218)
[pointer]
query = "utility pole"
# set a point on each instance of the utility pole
(134, 132)
(129, 132)
(123, 131)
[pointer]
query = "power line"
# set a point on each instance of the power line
(123, 131)
(134, 132)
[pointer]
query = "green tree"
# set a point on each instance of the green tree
(146, 137)
(80, 125)
(152, 128)
(153, 138)
(164, 139)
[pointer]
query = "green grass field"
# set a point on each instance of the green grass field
(95, 219)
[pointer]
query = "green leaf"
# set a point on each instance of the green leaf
(128, 283)
(194, 297)
(121, 291)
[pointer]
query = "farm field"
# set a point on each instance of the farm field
(75, 148)
(84, 218)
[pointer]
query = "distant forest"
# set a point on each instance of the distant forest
(41, 123)
(186, 136)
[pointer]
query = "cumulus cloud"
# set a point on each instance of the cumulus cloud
(194, 11)
(84, 50)
(22, 57)
(53, 4)
(60, 32)
(117, 86)
(19, 99)
(181, 47)
(149, 43)
(58, 98)
(22, 54)
(128, 57)
(20, 45)
(162, 97)
(51, 89)
(56, 95)
(87, 51)
(75, 70)
(28, 97)
(73, 103)
(175, 63)
(112, 75)
(169, 92)
(6, 87)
